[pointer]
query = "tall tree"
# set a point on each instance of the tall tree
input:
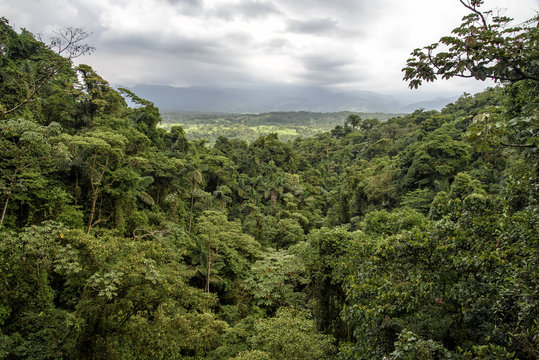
(98, 152)
(27, 155)
(28, 65)
(225, 251)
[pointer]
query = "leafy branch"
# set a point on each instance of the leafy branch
(482, 47)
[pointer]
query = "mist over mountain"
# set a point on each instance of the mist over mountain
(275, 98)
(434, 104)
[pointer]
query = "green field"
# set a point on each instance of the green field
(287, 125)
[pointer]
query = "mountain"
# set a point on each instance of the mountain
(276, 98)
(267, 99)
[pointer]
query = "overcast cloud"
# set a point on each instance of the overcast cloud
(348, 44)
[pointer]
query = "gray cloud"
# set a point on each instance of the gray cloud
(324, 69)
(170, 69)
(314, 26)
(323, 63)
(249, 9)
(192, 3)
(227, 42)
(177, 45)
(334, 5)
(201, 59)
(276, 45)
(342, 9)
(188, 7)
(320, 27)
(328, 79)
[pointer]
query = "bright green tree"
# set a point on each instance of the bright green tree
(225, 252)
(291, 334)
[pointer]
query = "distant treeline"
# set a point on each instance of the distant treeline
(288, 125)
(304, 118)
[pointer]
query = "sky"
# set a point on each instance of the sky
(337, 44)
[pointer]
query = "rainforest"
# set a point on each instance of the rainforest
(407, 237)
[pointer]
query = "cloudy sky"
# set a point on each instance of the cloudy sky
(341, 44)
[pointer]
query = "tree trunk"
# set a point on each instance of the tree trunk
(92, 212)
(158, 195)
(191, 211)
(8, 196)
(4, 209)
(95, 187)
(77, 188)
(208, 271)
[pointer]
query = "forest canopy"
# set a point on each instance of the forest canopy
(414, 237)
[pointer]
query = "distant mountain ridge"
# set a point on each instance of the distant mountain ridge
(434, 104)
(274, 98)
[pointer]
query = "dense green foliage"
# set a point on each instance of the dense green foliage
(409, 238)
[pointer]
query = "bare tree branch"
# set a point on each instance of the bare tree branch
(472, 6)
(68, 42)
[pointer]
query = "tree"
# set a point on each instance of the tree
(28, 65)
(225, 251)
(195, 179)
(353, 120)
(463, 283)
(98, 152)
(96, 97)
(291, 334)
(322, 255)
(27, 155)
(438, 156)
(275, 279)
(483, 47)
(390, 223)
(66, 294)
(145, 114)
